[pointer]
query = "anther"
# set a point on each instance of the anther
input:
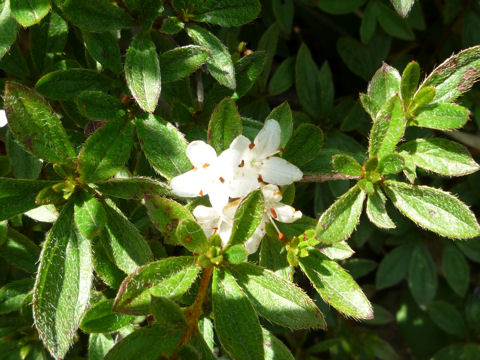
(274, 213)
(222, 180)
(251, 146)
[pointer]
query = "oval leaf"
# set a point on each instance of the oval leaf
(422, 276)
(227, 12)
(181, 62)
(101, 319)
(28, 12)
(225, 125)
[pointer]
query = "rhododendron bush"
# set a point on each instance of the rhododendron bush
(180, 179)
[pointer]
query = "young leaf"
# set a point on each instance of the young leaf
(123, 242)
(455, 76)
(410, 79)
(402, 6)
(58, 310)
(131, 188)
(165, 215)
(35, 125)
(337, 251)
(225, 125)
(388, 128)
(181, 62)
(441, 116)
(441, 156)
(235, 254)
(456, 269)
(103, 47)
(96, 15)
(376, 211)
(447, 317)
(18, 196)
(347, 165)
(278, 300)
(423, 97)
(422, 276)
(24, 165)
(391, 164)
(247, 218)
(219, 63)
(20, 251)
(142, 72)
(8, 28)
(394, 266)
(28, 13)
(227, 12)
(163, 145)
(67, 84)
(283, 114)
(384, 85)
(90, 216)
(339, 220)
(99, 345)
(168, 278)
(106, 151)
(99, 106)
(191, 235)
(236, 322)
(433, 209)
(100, 318)
(304, 145)
(336, 286)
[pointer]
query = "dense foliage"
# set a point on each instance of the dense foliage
(236, 179)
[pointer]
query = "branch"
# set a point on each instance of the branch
(327, 177)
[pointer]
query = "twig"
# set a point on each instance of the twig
(327, 177)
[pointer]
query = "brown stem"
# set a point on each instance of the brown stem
(327, 177)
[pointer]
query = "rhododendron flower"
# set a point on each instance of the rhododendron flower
(258, 165)
(3, 118)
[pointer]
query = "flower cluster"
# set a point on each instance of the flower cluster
(242, 168)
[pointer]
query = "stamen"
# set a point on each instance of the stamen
(280, 236)
(214, 228)
(195, 168)
(206, 165)
(201, 192)
(222, 180)
(251, 146)
(242, 164)
(260, 179)
(282, 150)
(274, 213)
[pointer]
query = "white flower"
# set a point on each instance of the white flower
(211, 175)
(213, 221)
(258, 165)
(3, 118)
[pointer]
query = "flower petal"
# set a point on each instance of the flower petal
(227, 162)
(201, 153)
(278, 171)
(244, 181)
(208, 218)
(240, 144)
(271, 193)
(267, 140)
(3, 118)
(253, 242)
(285, 213)
(189, 184)
(218, 194)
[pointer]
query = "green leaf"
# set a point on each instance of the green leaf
(447, 317)
(168, 278)
(99, 106)
(393, 24)
(96, 15)
(394, 266)
(13, 294)
(131, 188)
(236, 322)
(28, 13)
(337, 251)
(235, 254)
(247, 70)
(225, 125)
(268, 43)
(167, 312)
(99, 345)
(103, 47)
(100, 318)
(471, 249)
(283, 78)
(441, 156)
(274, 348)
(227, 12)
(336, 286)
(455, 76)
(104, 267)
(142, 72)
(283, 115)
(422, 97)
(304, 145)
(68, 84)
(90, 216)
(8, 28)
(24, 165)
(340, 219)
(273, 256)
(20, 251)
(18, 196)
(284, 12)
(181, 62)
(106, 151)
(147, 343)
(123, 242)
(191, 236)
(219, 63)
(458, 351)
(278, 300)
(455, 269)
(402, 6)
(384, 85)
(165, 215)
(359, 267)
(391, 164)
(410, 79)
(369, 22)
(441, 116)
(388, 128)
(433, 209)
(339, 7)
(376, 211)
(34, 124)
(247, 218)
(58, 310)
(163, 145)
(422, 276)
(381, 316)
(172, 25)
(347, 165)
